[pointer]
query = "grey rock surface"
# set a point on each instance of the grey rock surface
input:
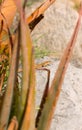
(55, 30)
(68, 114)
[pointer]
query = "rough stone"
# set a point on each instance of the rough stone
(55, 30)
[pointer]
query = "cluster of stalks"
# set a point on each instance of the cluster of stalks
(17, 103)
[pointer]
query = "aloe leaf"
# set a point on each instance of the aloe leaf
(29, 116)
(43, 100)
(53, 95)
(8, 97)
(1, 26)
(27, 94)
(9, 34)
(24, 3)
(40, 10)
(28, 86)
(16, 104)
(13, 124)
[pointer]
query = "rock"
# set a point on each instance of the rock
(68, 113)
(55, 30)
